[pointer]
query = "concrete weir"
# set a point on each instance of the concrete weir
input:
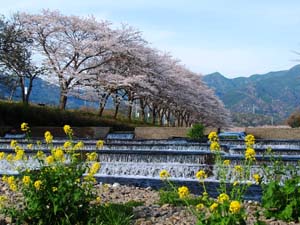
(139, 162)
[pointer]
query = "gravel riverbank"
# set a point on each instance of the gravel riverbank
(151, 213)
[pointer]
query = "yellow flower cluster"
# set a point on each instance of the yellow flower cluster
(249, 140)
(11, 182)
(68, 130)
(92, 156)
(99, 144)
(13, 143)
(2, 155)
(213, 136)
(79, 145)
(200, 206)
(164, 174)
(58, 155)
(215, 146)
(238, 169)
(26, 180)
(213, 207)
(226, 162)
(223, 198)
(48, 137)
(67, 144)
(40, 154)
(250, 154)
(235, 207)
(20, 154)
(183, 192)
(25, 127)
(257, 178)
(37, 184)
(94, 168)
(49, 159)
(201, 175)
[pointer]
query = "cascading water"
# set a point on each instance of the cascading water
(139, 162)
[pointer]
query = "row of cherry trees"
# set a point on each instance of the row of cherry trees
(90, 59)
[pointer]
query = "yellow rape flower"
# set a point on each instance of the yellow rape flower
(25, 127)
(58, 154)
(249, 140)
(92, 156)
(200, 206)
(98, 200)
(213, 136)
(201, 175)
(250, 154)
(67, 144)
(40, 154)
(223, 198)
(164, 174)
(48, 137)
(13, 187)
(94, 168)
(79, 145)
(213, 207)
(50, 159)
(4, 179)
(19, 155)
(68, 130)
(257, 178)
(9, 157)
(235, 207)
(11, 180)
(13, 143)
(29, 146)
(226, 162)
(215, 146)
(54, 189)
(37, 184)
(99, 144)
(238, 169)
(2, 155)
(183, 192)
(26, 180)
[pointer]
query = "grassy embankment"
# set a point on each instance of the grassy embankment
(12, 114)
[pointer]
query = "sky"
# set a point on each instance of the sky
(233, 37)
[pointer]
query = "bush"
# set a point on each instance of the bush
(196, 132)
(61, 191)
(294, 119)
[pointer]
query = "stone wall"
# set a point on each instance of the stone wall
(274, 133)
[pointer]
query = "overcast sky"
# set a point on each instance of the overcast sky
(233, 37)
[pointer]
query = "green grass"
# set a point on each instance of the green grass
(172, 198)
(14, 113)
(113, 214)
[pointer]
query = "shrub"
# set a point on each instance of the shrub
(294, 119)
(61, 191)
(196, 132)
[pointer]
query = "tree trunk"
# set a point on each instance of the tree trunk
(116, 110)
(130, 100)
(103, 103)
(63, 101)
(153, 115)
(142, 105)
(27, 95)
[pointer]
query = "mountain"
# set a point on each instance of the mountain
(273, 95)
(44, 92)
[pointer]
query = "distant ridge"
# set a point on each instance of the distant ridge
(271, 96)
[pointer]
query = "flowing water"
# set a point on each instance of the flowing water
(139, 162)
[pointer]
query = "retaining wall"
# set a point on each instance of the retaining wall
(274, 133)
